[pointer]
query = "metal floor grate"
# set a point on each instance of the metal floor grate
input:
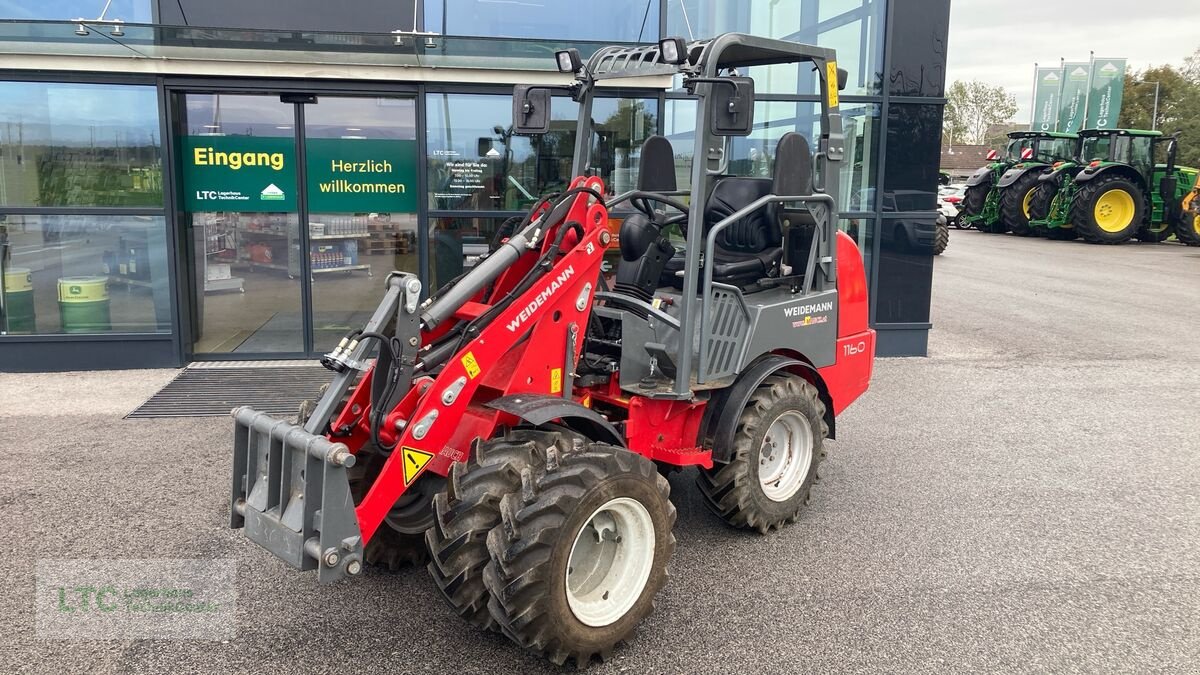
(207, 391)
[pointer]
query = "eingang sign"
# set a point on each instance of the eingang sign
(255, 174)
(238, 173)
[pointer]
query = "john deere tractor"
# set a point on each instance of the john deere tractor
(1121, 193)
(1187, 230)
(983, 205)
(1018, 186)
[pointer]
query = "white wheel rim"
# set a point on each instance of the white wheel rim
(610, 562)
(785, 456)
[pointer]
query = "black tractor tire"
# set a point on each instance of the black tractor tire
(973, 201)
(399, 541)
(1013, 202)
(941, 235)
(469, 507)
(1083, 210)
(530, 576)
(735, 491)
(1039, 207)
(1155, 234)
(1187, 230)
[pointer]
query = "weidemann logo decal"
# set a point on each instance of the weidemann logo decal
(801, 310)
(541, 298)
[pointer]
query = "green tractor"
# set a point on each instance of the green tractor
(1115, 192)
(982, 199)
(1018, 186)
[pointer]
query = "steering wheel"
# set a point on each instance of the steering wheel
(641, 202)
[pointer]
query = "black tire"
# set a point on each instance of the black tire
(1062, 234)
(1013, 200)
(734, 491)
(399, 541)
(973, 201)
(1083, 210)
(941, 235)
(1187, 230)
(956, 222)
(530, 550)
(1039, 207)
(469, 508)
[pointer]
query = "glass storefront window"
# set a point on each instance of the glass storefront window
(614, 21)
(456, 245)
(853, 27)
(913, 141)
(129, 11)
(85, 274)
(476, 164)
(79, 145)
(754, 155)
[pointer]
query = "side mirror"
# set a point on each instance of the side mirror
(531, 110)
(732, 102)
(843, 76)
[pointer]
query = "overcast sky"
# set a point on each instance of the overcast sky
(998, 41)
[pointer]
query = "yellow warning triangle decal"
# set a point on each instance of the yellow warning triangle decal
(414, 461)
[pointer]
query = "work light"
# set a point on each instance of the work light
(568, 61)
(673, 50)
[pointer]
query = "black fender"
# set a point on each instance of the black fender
(1014, 174)
(541, 409)
(982, 175)
(1091, 173)
(726, 406)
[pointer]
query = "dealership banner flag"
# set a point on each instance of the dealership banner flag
(1106, 91)
(1045, 99)
(1076, 78)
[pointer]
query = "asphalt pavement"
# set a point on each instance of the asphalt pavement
(1026, 499)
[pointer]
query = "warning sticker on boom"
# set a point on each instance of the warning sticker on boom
(472, 366)
(414, 461)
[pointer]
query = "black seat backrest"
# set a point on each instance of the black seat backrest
(793, 176)
(656, 169)
(753, 233)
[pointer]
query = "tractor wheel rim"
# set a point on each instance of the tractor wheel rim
(1114, 210)
(610, 562)
(785, 457)
(1027, 202)
(1196, 225)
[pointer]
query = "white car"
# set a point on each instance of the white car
(949, 200)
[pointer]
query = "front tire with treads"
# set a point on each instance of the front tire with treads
(580, 553)
(469, 508)
(778, 446)
(1016, 203)
(941, 235)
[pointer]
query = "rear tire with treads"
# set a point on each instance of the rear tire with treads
(1108, 210)
(1015, 207)
(742, 491)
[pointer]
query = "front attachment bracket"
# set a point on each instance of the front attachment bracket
(291, 493)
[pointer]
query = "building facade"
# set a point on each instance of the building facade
(220, 179)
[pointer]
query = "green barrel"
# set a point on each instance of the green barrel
(83, 304)
(18, 301)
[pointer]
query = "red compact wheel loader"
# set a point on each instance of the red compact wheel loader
(511, 428)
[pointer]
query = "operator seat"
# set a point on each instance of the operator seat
(644, 251)
(752, 248)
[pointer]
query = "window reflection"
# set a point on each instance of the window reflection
(613, 21)
(477, 164)
(79, 145)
